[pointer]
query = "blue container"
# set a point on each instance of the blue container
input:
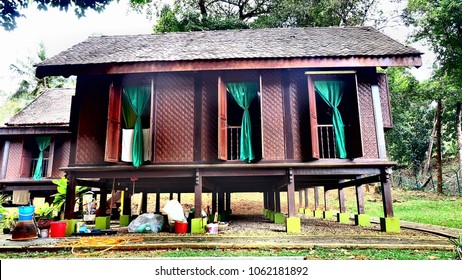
(25, 213)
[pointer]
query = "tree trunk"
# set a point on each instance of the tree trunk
(459, 134)
(439, 164)
(428, 155)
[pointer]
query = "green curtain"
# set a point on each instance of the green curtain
(244, 93)
(332, 92)
(42, 142)
(128, 115)
(138, 98)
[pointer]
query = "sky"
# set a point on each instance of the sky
(60, 30)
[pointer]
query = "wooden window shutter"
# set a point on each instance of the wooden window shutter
(51, 153)
(355, 146)
(313, 119)
(152, 123)
(222, 121)
(382, 82)
(24, 170)
(113, 143)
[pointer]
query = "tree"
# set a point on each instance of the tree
(30, 86)
(192, 15)
(10, 9)
(439, 24)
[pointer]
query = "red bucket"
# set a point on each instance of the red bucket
(57, 229)
(181, 227)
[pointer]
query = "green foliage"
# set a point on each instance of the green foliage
(174, 20)
(190, 15)
(10, 9)
(45, 210)
(4, 198)
(412, 116)
(60, 196)
(458, 243)
(310, 254)
(441, 212)
(438, 22)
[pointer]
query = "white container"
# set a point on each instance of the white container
(44, 233)
(212, 228)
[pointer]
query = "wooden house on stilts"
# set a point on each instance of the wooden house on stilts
(266, 110)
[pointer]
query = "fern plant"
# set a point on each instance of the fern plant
(458, 243)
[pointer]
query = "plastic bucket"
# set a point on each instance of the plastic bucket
(25, 213)
(57, 229)
(181, 227)
(212, 228)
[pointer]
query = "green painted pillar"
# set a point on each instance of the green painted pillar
(293, 225)
(390, 225)
(124, 220)
(362, 220)
(343, 218)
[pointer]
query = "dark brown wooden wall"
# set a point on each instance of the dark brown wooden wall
(174, 118)
(61, 154)
(92, 94)
(300, 114)
(272, 115)
(209, 118)
(2, 148)
(14, 158)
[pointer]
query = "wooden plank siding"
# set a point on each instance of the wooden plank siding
(93, 94)
(180, 138)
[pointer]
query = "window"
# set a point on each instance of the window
(334, 116)
(129, 125)
(30, 157)
(239, 121)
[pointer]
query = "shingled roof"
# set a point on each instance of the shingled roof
(51, 108)
(233, 44)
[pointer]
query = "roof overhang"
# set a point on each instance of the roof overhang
(17, 130)
(231, 64)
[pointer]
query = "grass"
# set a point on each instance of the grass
(422, 208)
(315, 254)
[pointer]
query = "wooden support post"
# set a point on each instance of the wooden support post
(221, 202)
(277, 197)
(144, 202)
(214, 202)
(70, 197)
(127, 209)
(316, 198)
(341, 200)
(360, 199)
(300, 198)
(198, 195)
(171, 196)
(228, 202)
(179, 197)
(386, 193)
(291, 194)
(325, 200)
(102, 202)
(158, 201)
(271, 205)
(306, 198)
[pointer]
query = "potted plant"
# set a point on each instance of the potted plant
(10, 219)
(44, 215)
(3, 199)
(60, 196)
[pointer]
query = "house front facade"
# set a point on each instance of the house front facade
(269, 110)
(34, 145)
